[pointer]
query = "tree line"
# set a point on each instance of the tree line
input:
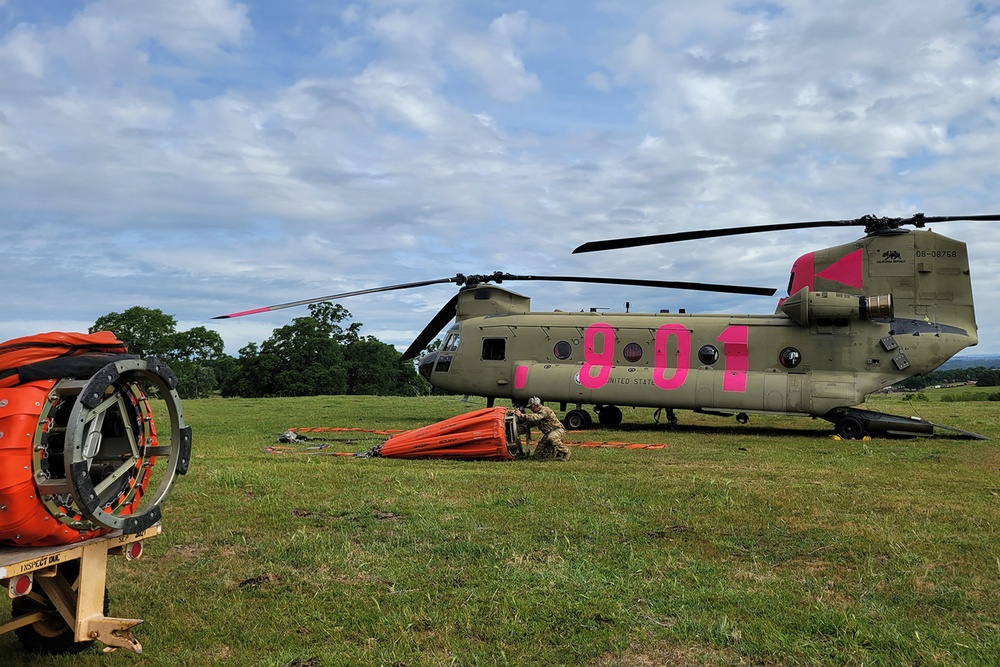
(321, 354)
(981, 375)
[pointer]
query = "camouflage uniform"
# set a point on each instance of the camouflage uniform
(523, 428)
(548, 423)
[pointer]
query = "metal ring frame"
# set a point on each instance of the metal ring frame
(112, 393)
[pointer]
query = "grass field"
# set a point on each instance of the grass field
(761, 544)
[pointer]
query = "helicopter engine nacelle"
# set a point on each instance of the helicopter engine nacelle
(806, 307)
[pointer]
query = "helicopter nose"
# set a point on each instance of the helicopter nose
(426, 365)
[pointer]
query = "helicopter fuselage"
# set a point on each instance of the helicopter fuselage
(745, 363)
(862, 317)
(858, 318)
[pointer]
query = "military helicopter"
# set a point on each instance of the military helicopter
(858, 318)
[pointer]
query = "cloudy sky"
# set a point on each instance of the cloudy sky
(209, 156)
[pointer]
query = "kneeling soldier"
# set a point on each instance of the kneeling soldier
(548, 423)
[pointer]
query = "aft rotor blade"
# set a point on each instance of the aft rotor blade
(871, 223)
(957, 218)
(655, 239)
(668, 284)
(433, 328)
(333, 297)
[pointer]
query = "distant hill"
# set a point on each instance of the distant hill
(972, 361)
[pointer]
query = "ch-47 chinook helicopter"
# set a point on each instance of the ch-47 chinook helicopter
(858, 317)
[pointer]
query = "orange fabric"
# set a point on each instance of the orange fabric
(474, 435)
(25, 521)
(430, 442)
(614, 444)
(31, 349)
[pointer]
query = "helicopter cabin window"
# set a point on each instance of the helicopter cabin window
(562, 350)
(494, 349)
(708, 354)
(790, 357)
(632, 352)
(450, 343)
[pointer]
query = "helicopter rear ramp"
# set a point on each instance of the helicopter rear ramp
(855, 423)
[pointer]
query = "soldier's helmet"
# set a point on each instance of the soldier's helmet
(533, 401)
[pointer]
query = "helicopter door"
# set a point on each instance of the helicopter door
(496, 372)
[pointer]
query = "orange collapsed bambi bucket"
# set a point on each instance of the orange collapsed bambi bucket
(78, 444)
(484, 434)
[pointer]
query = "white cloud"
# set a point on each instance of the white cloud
(214, 156)
(189, 28)
(493, 60)
(23, 49)
(599, 81)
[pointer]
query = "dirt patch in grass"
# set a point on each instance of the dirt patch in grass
(675, 656)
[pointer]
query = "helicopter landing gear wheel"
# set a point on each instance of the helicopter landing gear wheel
(610, 415)
(578, 419)
(50, 634)
(743, 418)
(849, 428)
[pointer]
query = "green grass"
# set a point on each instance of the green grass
(761, 544)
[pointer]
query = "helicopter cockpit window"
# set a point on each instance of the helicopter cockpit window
(450, 343)
(790, 357)
(494, 349)
(708, 355)
(562, 350)
(632, 352)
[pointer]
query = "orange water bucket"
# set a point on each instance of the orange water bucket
(79, 451)
(486, 434)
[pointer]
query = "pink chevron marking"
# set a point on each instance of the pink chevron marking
(847, 270)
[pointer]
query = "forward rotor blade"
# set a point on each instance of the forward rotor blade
(333, 297)
(433, 328)
(668, 284)
(447, 313)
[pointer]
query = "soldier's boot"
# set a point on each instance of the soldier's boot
(544, 451)
(520, 450)
(562, 453)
